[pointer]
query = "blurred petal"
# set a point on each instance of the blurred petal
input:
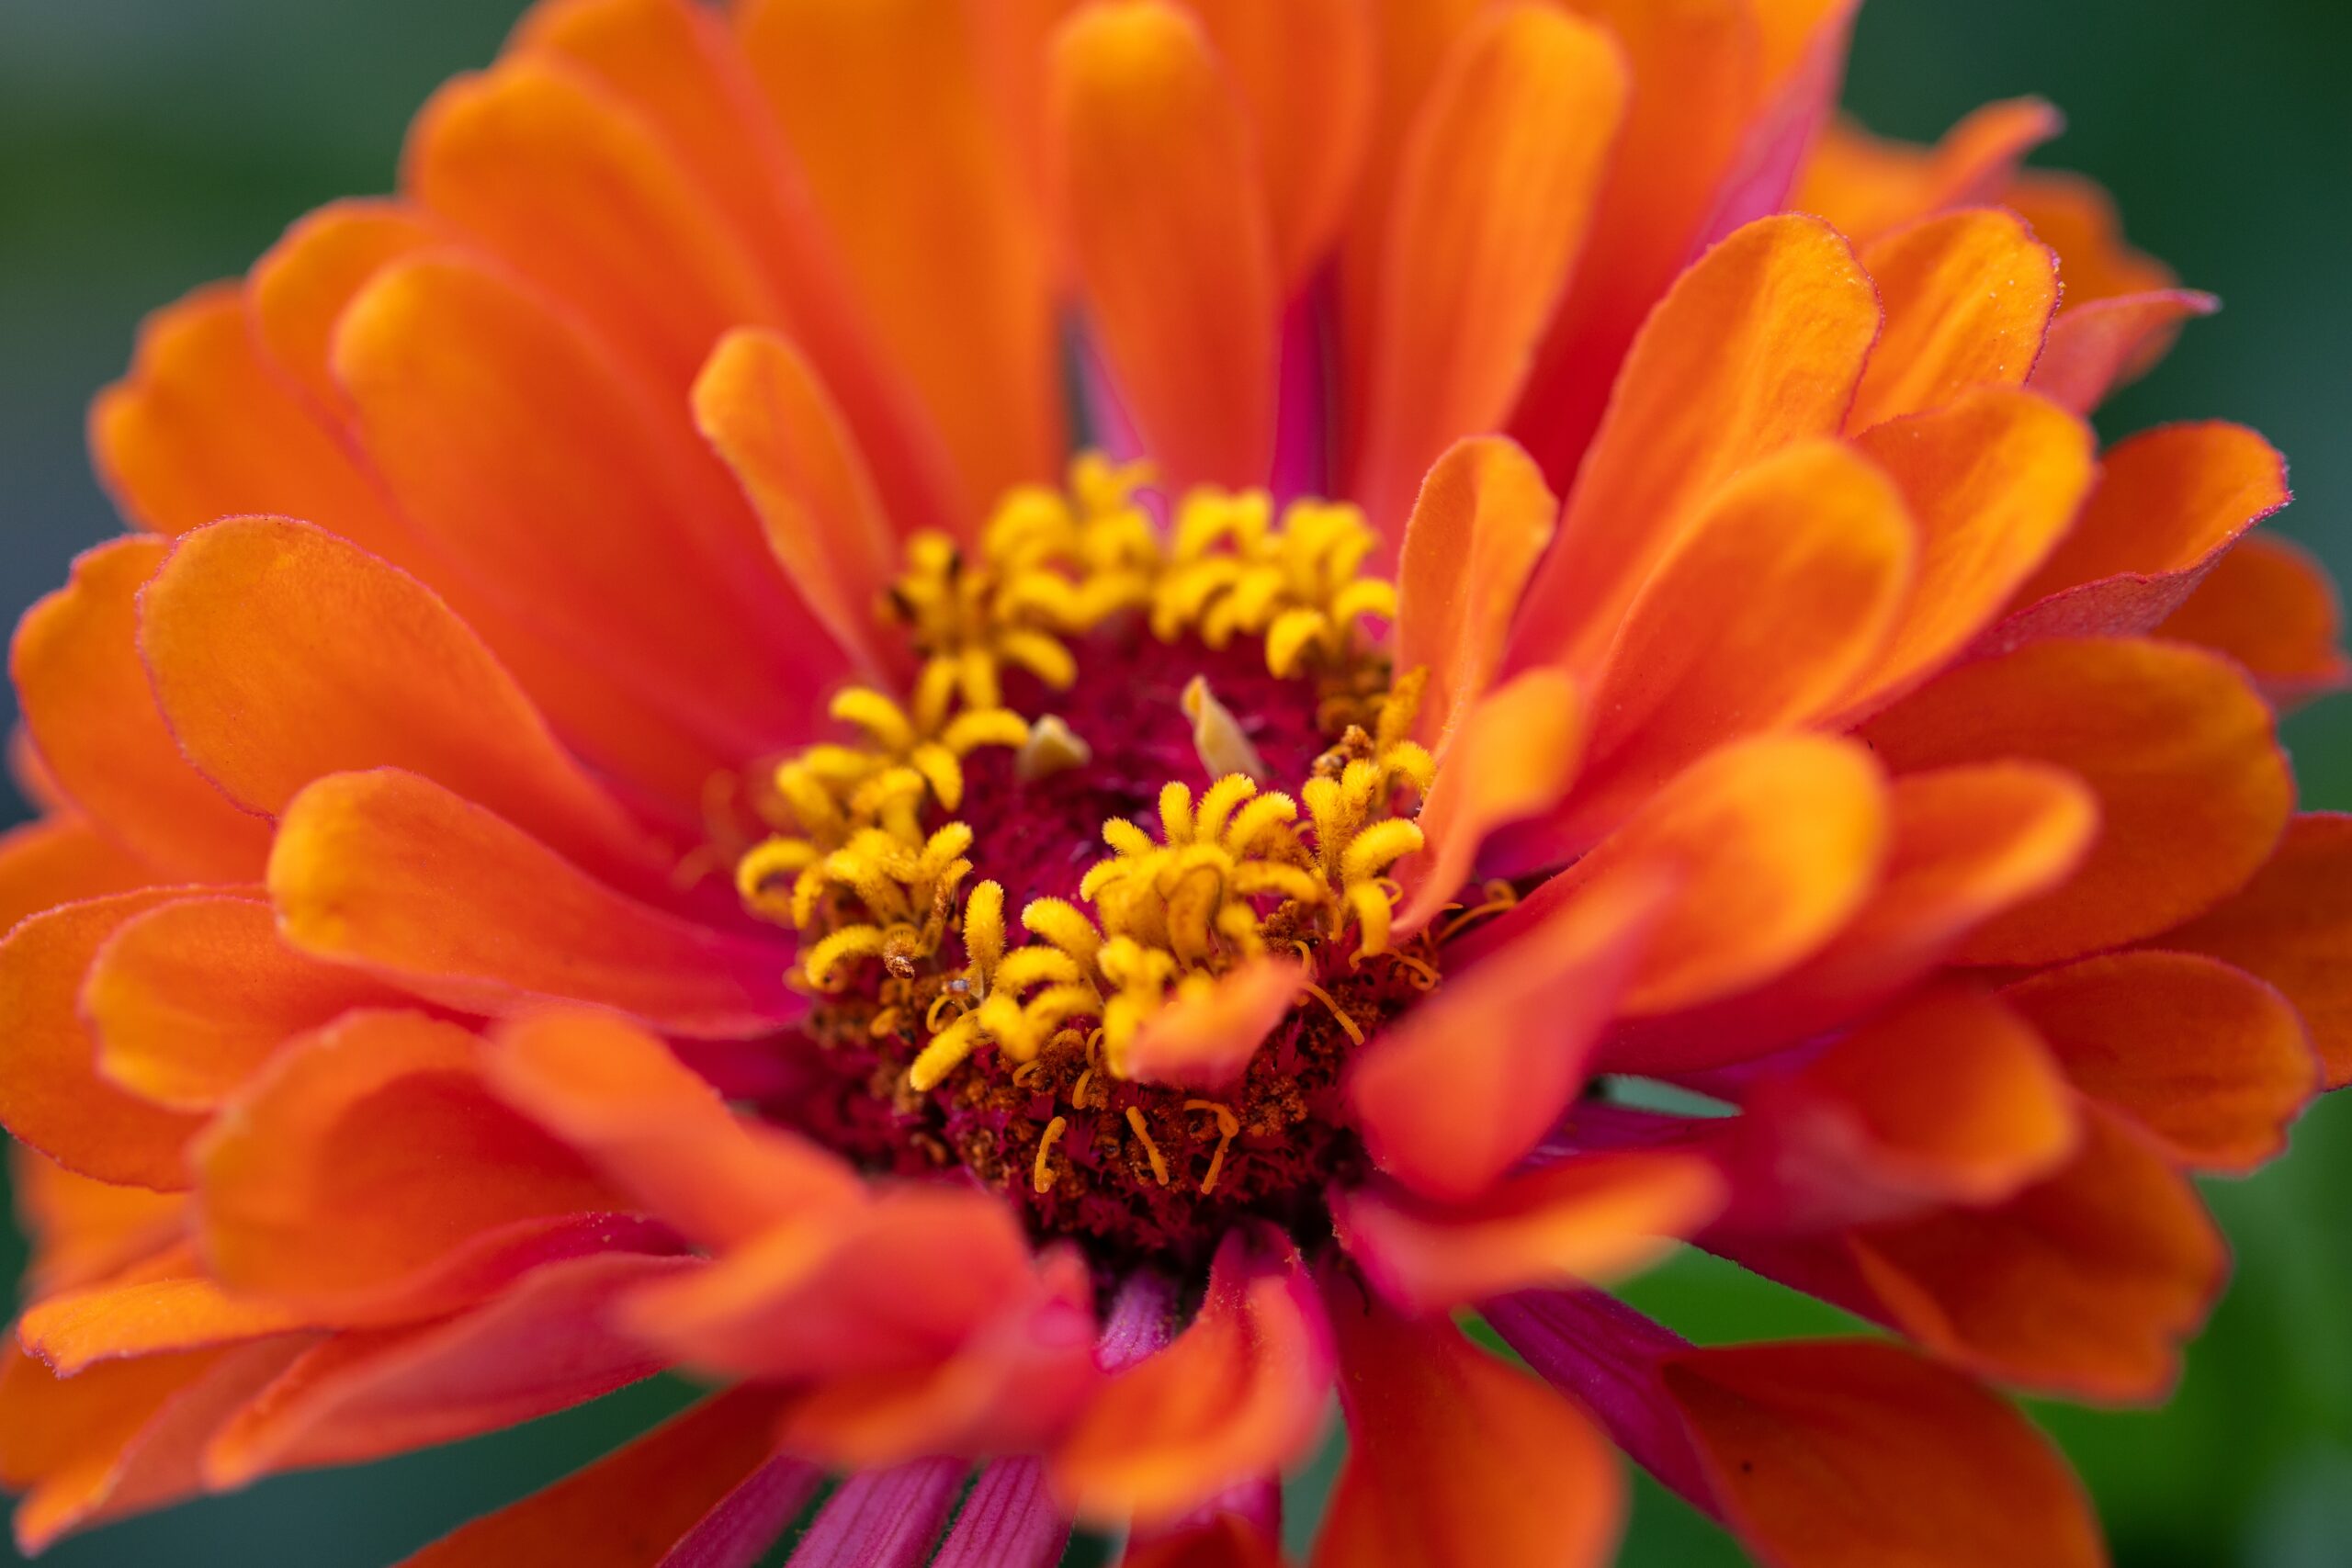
(2268, 605)
(162, 1307)
(1205, 1041)
(61, 858)
(883, 1519)
(2098, 345)
(2208, 1060)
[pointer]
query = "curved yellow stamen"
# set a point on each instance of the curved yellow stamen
(1039, 1181)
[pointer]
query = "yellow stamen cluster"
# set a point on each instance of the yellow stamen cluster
(864, 874)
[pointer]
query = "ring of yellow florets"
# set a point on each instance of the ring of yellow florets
(873, 866)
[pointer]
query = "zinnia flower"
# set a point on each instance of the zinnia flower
(629, 805)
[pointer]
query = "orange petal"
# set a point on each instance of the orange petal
(2169, 501)
(1948, 1097)
(1856, 1454)
(2269, 605)
(1167, 223)
(2077, 217)
(1696, 80)
(1013, 1384)
(1513, 758)
(2084, 1284)
(2096, 348)
(1964, 843)
(676, 68)
(1495, 193)
(296, 294)
(1968, 298)
(1474, 536)
(164, 1307)
(763, 407)
(365, 1156)
(90, 710)
(1772, 845)
(60, 860)
(1781, 591)
(542, 1344)
(1204, 1040)
(1304, 70)
(281, 654)
(2192, 789)
(657, 1130)
(1466, 1082)
(2210, 1061)
(186, 1000)
(546, 170)
(897, 190)
(205, 426)
(626, 546)
(1993, 481)
(1867, 185)
(825, 1295)
(1457, 1458)
(1240, 1393)
(80, 1231)
(51, 1094)
(390, 873)
(626, 1510)
(2292, 926)
(120, 1438)
(1586, 1220)
(1759, 343)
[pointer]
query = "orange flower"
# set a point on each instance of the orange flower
(711, 844)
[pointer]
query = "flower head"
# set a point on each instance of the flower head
(629, 805)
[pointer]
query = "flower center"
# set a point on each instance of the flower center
(1139, 777)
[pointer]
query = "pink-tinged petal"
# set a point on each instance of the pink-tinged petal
(1010, 1386)
(2193, 791)
(1588, 1219)
(1224, 1541)
(1205, 1040)
(2268, 605)
(1009, 1520)
(93, 717)
(2211, 1062)
(1993, 481)
(659, 1132)
(2292, 926)
(1240, 1393)
(51, 1093)
(186, 1002)
(1966, 843)
(1802, 60)
(366, 1163)
(1495, 193)
(160, 1308)
(1761, 343)
(1857, 1454)
(2102, 344)
(1514, 758)
(1466, 1082)
(543, 1345)
(883, 1519)
(2169, 501)
(1457, 1461)
(632, 1508)
(1480, 524)
(765, 410)
(1948, 1097)
(1968, 299)
(389, 873)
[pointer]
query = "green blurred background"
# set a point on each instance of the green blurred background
(149, 145)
